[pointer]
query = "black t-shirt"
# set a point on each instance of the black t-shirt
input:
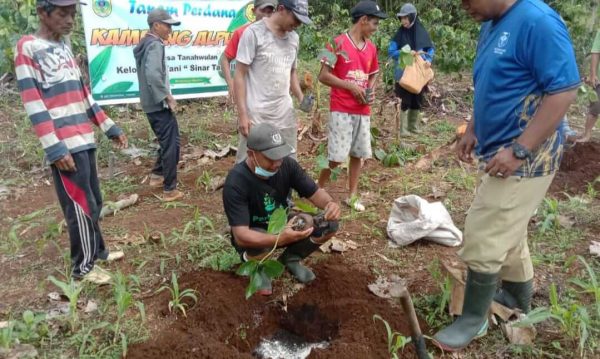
(250, 201)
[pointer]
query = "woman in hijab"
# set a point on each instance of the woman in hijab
(412, 33)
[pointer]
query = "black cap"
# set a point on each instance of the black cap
(369, 8)
(61, 2)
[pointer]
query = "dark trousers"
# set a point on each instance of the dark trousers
(81, 202)
(165, 127)
(410, 101)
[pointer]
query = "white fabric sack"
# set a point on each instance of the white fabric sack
(413, 218)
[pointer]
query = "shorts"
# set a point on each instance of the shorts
(348, 135)
(595, 106)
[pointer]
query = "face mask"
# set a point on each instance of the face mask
(259, 171)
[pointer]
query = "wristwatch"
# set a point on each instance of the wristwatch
(520, 152)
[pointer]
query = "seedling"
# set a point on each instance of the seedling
(395, 341)
(329, 54)
(71, 290)
(123, 289)
(256, 269)
(176, 303)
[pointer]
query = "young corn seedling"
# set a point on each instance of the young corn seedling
(256, 269)
(395, 340)
(123, 292)
(176, 303)
(71, 290)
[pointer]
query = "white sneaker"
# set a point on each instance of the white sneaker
(97, 276)
(355, 204)
(115, 256)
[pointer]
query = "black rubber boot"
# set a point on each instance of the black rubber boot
(296, 252)
(473, 323)
(516, 295)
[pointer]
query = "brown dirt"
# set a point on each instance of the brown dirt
(580, 165)
(337, 306)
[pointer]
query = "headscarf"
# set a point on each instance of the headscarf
(416, 36)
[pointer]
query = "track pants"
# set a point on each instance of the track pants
(81, 202)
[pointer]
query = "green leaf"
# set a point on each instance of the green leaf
(328, 57)
(272, 268)
(255, 283)
(241, 18)
(306, 207)
(99, 65)
(247, 268)
(118, 87)
(380, 154)
(391, 160)
(277, 221)
(322, 162)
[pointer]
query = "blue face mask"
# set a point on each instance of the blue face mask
(259, 171)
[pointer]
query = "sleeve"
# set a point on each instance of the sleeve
(98, 117)
(428, 54)
(374, 61)
(247, 47)
(29, 78)
(549, 55)
(301, 182)
(235, 204)
(155, 72)
(232, 46)
(393, 50)
(596, 45)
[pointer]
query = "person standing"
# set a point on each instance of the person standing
(413, 34)
(266, 71)
(352, 82)
(157, 101)
(62, 111)
(525, 78)
(262, 8)
(594, 109)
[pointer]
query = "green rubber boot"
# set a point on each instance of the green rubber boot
(473, 323)
(292, 256)
(516, 295)
(414, 116)
(404, 132)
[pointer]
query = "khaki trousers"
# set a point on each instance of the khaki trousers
(495, 238)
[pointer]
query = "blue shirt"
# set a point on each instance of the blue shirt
(522, 56)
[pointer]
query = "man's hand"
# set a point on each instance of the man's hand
(290, 236)
(358, 93)
(593, 81)
(231, 98)
(503, 164)
(465, 147)
(66, 163)
(244, 125)
(171, 103)
(120, 142)
(332, 211)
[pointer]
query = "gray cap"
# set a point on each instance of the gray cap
(299, 8)
(268, 140)
(406, 10)
(261, 4)
(160, 14)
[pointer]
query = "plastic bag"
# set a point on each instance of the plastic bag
(416, 76)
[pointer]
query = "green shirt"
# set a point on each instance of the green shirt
(596, 49)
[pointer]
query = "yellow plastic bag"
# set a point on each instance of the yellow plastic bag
(416, 76)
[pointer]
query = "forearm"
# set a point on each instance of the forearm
(225, 67)
(328, 79)
(295, 85)
(321, 198)
(248, 238)
(594, 64)
(546, 119)
(373, 80)
(239, 88)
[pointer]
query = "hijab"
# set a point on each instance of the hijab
(416, 36)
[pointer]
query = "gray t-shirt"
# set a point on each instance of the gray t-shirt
(270, 60)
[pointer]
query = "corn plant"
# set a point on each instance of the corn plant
(590, 286)
(198, 224)
(256, 269)
(123, 290)
(177, 296)
(7, 335)
(71, 290)
(395, 341)
(550, 215)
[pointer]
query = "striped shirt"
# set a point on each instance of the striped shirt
(59, 105)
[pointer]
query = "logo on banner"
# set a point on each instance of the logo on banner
(102, 8)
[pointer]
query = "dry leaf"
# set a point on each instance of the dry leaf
(437, 193)
(565, 222)
(91, 306)
(392, 287)
(595, 248)
(338, 246)
(504, 313)
(517, 334)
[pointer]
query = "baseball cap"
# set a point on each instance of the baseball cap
(163, 16)
(369, 8)
(299, 8)
(61, 2)
(268, 140)
(406, 10)
(261, 4)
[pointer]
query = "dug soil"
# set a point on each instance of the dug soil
(580, 165)
(337, 307)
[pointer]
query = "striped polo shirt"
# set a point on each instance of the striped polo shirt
(60, 106)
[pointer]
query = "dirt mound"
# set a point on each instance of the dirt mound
(337, 307)
(580, 165)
